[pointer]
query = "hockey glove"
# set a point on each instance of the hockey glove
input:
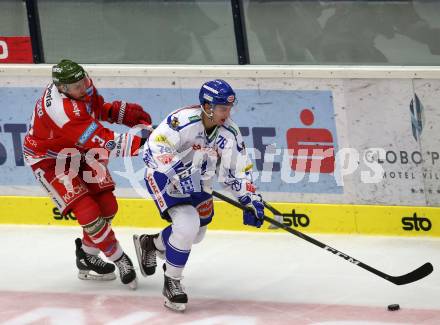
(129, 114)
(255, 215)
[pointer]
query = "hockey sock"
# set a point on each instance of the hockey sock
(175, 258)
(97, 229)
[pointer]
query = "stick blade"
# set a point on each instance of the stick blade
(413, 276)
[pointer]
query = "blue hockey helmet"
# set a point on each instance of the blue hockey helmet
(216, 92)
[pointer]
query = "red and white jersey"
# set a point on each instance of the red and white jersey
(59, 122)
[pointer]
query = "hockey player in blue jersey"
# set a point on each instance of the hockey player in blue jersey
(183, 154)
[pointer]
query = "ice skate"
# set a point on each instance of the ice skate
(126, 271)
(146, 253)
(92, 267)
(175, 298)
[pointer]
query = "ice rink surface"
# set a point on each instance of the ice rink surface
(231, 278)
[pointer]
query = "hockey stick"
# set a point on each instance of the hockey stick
(412, 276)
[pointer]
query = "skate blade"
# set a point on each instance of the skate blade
(91, 275)
(137, 247)
(174, 306)
(133, 284)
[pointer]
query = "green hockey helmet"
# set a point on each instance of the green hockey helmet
(67, 72)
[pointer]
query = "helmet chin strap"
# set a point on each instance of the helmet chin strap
(210, 115)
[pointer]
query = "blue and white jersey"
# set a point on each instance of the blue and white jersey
(181, 142)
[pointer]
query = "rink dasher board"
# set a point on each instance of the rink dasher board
(363, 109)
(409, 221)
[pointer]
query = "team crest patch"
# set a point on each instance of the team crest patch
(175, 123)
(110, 145)
(231, 99)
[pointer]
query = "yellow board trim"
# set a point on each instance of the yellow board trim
(309, 218)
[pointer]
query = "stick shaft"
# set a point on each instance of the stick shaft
(415, 275)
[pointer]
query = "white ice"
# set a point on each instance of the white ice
(240, 266)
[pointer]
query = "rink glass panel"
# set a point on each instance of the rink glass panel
(13, 21)
(343, 32)
(163, 32)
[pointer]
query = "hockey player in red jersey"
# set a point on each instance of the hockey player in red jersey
(68, 148)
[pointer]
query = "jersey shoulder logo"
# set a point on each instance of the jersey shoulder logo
(174, 124)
